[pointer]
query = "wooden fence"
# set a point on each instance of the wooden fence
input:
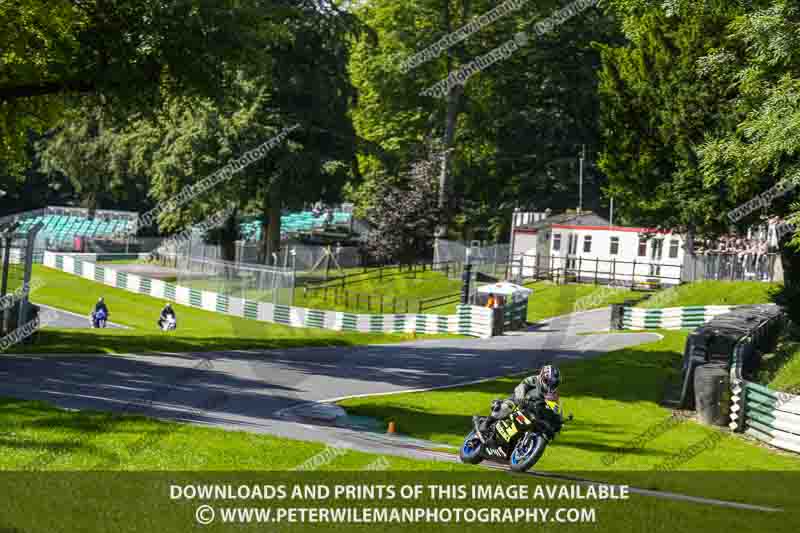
(380, 303)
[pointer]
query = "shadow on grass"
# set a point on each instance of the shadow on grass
(65, 341)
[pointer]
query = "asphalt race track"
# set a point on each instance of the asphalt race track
(58, 318)
(259, 391)
(285, 392)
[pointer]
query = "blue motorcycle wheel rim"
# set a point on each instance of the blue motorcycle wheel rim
(469, 449)
(516, 458)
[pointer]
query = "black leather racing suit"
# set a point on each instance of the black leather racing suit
(530, 390)
(167, 311)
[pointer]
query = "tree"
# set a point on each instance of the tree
(81, 150)
(405, 215)
(301, 81)
(519, 125)
(657, 108)
(134, 52)
(763, 67)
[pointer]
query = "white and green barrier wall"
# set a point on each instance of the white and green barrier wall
(769, 416)
(671, 317)
(469, 320)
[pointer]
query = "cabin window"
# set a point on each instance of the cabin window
(556, 242)
(642, 247)
(673, 248)
(614, 249)
(587, 244)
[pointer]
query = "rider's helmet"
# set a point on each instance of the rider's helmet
(100, 300)
(550, 377)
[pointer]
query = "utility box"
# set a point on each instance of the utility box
(513, 305)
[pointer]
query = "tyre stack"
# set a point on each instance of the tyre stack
(712, 394)
(708, 357)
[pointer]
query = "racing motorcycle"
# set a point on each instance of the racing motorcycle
(519, 439)
(169, 323)
(98, 319)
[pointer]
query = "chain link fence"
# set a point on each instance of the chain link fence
(734, 267)
(488, 259)
(252, 282)
(16, 266)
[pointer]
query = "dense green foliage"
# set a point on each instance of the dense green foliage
(507, 147)
(687, 109)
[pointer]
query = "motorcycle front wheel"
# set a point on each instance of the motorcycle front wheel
(470, 451)
(527, 452)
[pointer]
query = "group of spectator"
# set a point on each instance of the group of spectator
(732, 244)
(319, 210)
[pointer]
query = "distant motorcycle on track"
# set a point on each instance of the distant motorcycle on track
(168, 324)
(99, 319)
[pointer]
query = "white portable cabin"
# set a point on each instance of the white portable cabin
(589, 248)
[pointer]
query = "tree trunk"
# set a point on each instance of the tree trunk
(229, 235)
(453, 108)
(90, 203)
(270, 226)
(790, 261)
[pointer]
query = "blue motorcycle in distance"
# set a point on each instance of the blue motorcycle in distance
(99, 319)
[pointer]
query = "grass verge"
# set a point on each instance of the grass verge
(44, 439)
(781, 370)
(198, 330)
(615, 399)
(712, 293)
(549, 300)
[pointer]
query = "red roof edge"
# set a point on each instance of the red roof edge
(612, 228)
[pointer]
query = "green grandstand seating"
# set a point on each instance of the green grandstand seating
(64, 228)
(294, 222)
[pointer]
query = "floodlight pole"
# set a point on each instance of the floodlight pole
(510, 266)
(580, 180)
(4, 327)
(294, 276)
(611, 215)
(6, 261)
(30, 249)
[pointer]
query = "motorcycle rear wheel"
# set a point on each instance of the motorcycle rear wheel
(527, 452)
(470, 451)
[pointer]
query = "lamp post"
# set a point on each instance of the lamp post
(293, 253)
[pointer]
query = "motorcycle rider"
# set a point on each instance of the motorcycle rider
(533, 390)
(99, 306)
(167, 311)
